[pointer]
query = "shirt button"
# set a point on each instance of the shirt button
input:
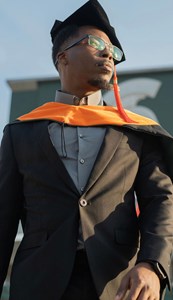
(83, 202)
(76, 101)
(82, 189)
(81, 135)
(82, 161)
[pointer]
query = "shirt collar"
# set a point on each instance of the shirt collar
(93, 99)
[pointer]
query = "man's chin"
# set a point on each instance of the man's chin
(101, 84)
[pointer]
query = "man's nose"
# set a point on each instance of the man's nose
(107, 52)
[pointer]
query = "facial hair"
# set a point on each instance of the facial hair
(101, 84)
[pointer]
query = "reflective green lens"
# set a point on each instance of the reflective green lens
(100, 45)
(96, 42)
(117, 53)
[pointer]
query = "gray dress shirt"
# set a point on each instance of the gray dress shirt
(77, 147)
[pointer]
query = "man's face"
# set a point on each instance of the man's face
(87, 66)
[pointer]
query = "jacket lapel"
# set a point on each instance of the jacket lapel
(109, 146)
(42, 135)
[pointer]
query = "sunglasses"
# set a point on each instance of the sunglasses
(98, 44)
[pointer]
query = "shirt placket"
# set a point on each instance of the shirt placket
(81, 161)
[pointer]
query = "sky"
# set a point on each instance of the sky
(144, 28)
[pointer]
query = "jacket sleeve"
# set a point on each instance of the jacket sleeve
(155, 197)
(10, 202)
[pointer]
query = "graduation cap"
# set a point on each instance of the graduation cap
(93, 14)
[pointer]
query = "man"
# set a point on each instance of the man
(70, 171)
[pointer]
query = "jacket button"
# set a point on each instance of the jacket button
(83, 202)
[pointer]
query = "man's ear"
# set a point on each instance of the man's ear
(62, 58)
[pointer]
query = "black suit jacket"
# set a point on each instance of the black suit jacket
(36, 188)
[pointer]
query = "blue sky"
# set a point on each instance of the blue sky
(144, 28)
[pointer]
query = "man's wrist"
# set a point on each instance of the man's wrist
(158, 270)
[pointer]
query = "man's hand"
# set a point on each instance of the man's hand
(140, 283)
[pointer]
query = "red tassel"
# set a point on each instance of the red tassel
(120, 108)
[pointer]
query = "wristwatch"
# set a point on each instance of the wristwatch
(158, 270)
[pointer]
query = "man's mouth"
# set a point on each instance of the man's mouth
(105, 66)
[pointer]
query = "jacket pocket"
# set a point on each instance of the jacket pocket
(33, 240)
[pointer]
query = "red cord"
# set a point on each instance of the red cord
(120, 108)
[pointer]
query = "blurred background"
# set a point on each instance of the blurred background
(28, 77)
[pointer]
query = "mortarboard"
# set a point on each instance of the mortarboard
(91, 13)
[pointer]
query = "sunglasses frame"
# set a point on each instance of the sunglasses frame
(89, 36)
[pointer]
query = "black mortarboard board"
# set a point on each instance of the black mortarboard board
(91, 13)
